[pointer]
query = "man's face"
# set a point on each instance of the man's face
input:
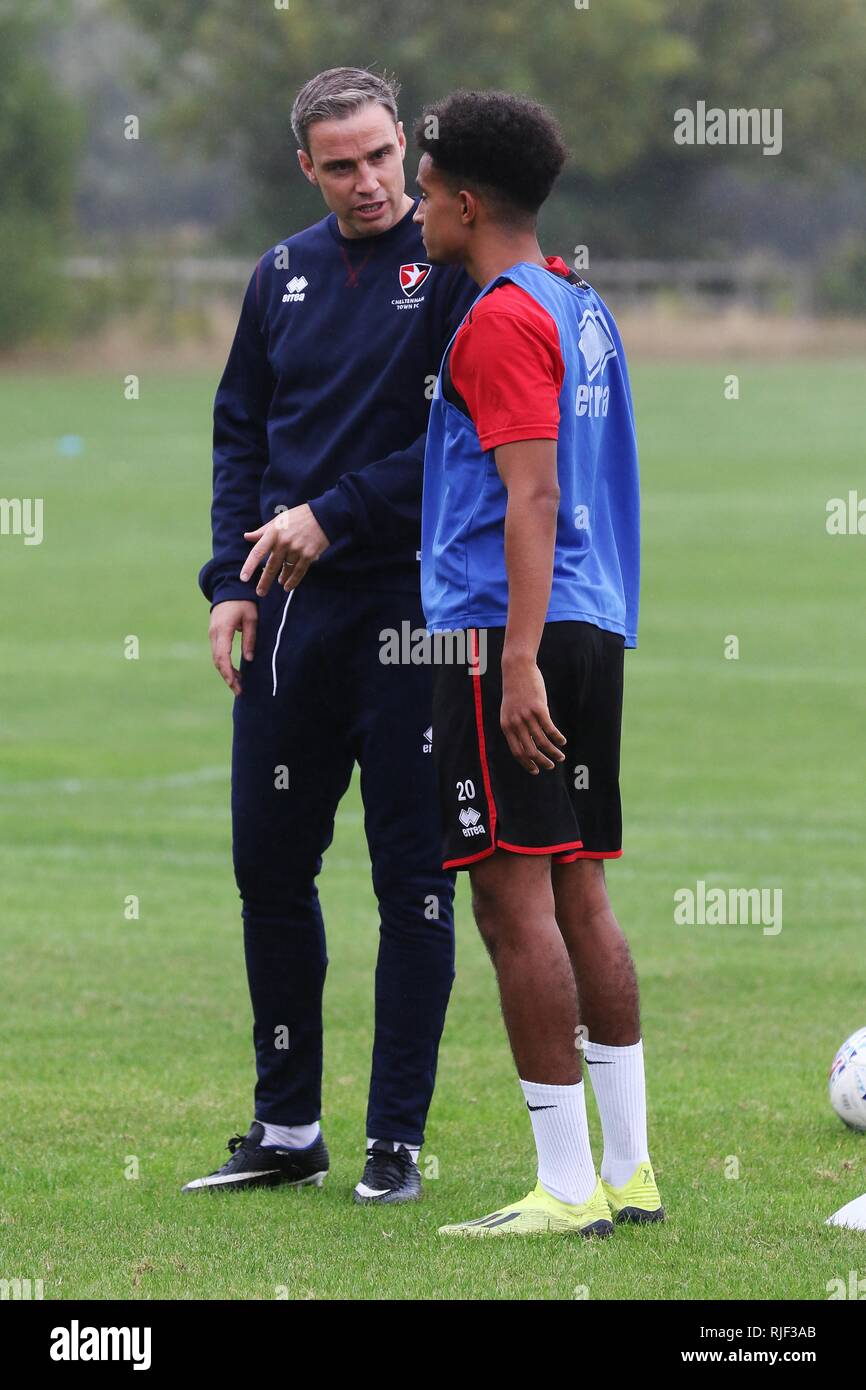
(357, 162)
(441, 215)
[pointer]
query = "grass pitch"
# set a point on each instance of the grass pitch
(127, 1043)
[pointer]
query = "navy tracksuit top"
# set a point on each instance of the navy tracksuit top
(325, 398)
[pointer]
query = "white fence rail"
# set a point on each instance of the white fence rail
(756, 282)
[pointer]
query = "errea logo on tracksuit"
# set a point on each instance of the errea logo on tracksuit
(295, 287)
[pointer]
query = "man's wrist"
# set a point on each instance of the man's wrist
(518, 654)
(334, 514)
(228, 589)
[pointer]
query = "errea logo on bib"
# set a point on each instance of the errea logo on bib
(597, 346)
(595, 342)
(592, 400)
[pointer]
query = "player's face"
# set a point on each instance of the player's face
(357, 162)
(439, 215)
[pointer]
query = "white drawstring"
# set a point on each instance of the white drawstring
(279, 635)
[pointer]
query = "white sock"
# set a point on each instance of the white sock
(617, 1075)
(566, 1168)
(289, 1136)
(397, 1143)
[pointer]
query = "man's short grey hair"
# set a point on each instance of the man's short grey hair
(340, 92)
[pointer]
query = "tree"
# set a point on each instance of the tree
(39, 136)
(614, 73)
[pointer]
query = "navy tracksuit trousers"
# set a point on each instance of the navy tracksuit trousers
(317, 699)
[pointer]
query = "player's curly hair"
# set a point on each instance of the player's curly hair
(510, 146)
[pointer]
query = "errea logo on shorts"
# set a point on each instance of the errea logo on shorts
(296, 287)
(470, 819)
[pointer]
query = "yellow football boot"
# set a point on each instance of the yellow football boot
(638, 1200)
(539, 1214)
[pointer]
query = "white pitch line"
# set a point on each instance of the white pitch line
(73, 785)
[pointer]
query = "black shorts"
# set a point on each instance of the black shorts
(487, 800)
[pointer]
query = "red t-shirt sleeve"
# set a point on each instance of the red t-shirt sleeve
(507, 365)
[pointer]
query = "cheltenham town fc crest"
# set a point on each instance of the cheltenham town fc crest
(412, 277)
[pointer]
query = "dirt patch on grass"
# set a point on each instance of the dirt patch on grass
(133, 346)
(736, 334)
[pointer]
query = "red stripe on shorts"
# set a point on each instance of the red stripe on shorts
(479, 726)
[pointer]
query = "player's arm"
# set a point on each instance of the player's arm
(240, 457)
(528, 471)
(380, 504)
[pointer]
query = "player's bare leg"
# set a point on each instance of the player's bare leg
(603, 968)
(609, 1011)
(513, 902)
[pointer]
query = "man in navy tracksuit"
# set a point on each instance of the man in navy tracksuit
(319, 426)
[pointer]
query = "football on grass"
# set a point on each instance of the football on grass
(848, 1081)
